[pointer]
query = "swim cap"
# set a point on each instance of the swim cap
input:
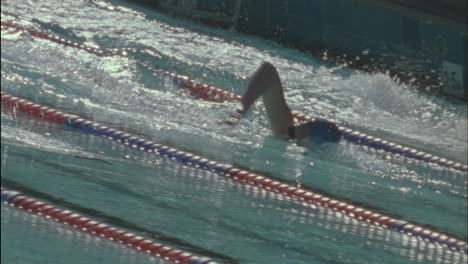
(324, 130)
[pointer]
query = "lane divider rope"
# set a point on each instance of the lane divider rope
(100, 229)
(68, 43)
(213, 94)
(210, 93)
(305, 196)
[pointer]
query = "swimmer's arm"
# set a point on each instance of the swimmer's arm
(266, 82)
(255, 89)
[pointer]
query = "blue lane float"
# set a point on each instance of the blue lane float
(305, 196)
(395, 148)
(187, 158)
(210, 93)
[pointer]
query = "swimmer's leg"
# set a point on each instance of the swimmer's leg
(266, 82)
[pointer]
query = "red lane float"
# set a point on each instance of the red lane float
(56, 39)
(210, 93)
(213, 94)
(304, 196)
(100, 229)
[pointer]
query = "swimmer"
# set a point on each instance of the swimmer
(266, 83)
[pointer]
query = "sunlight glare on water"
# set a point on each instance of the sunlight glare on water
(228, 218)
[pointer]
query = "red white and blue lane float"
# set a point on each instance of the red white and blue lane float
(100, 229)
(209, 93)
(304, 196)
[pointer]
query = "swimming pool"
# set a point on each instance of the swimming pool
(194, 209)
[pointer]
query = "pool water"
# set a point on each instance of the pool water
(197, 210)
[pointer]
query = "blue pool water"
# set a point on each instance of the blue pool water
(198, 210)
